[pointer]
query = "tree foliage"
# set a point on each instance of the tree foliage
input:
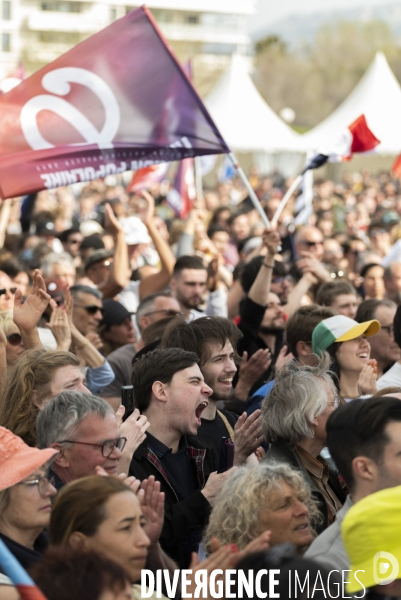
(316, 78)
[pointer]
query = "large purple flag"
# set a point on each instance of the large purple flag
(118, 101)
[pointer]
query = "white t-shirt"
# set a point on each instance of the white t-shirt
(391, 378)
(129, 296)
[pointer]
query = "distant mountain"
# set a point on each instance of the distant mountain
(303, 27)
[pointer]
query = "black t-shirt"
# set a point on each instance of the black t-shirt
(211, 432)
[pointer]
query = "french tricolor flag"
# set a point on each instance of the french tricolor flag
(356, 139)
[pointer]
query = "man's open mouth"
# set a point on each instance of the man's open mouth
(200, 408)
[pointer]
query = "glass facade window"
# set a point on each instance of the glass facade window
(192, 19)
(6, 10)
(6, 42)
(219, 20)
(162, 16)
(59, 37)
(214, 48)
(54, 6)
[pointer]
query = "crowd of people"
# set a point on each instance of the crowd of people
(201, 392)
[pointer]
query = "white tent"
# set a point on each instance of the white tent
(244, 119)
(378, 97)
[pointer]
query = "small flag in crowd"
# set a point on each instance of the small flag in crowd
(227, 170)
(357, 138)
(303, 208)
(144, 178)
(396, 168)
(183, 193)
(118, 101)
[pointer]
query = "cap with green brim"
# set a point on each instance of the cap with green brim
(340, 329)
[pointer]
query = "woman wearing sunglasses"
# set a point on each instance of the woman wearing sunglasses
(25, 498)
(18, 320)
(15, 346)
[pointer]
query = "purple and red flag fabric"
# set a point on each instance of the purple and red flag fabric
(182, 195)
(144, 178)
(118, 101)
(20, 578)
(357, 138)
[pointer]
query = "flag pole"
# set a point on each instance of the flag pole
(198, 177)
(285, 199)
(251, 192)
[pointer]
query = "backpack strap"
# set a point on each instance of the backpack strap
(227, 424)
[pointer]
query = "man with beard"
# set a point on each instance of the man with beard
(214, 340)
(190, 283)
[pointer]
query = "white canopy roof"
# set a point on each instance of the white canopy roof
(244, 119)
(378, 97)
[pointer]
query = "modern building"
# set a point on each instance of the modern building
(206, 31)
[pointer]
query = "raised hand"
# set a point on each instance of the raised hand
(251, 369)
(134, 429)
(148, 214)
(271, 241)
(59, 325)
(152, 505)
(247, 436)
(27, 315)
(283, 358)
(215, 483)
(130, 481)
(111, 223)
(367, 382)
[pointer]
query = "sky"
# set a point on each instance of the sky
(272, 10)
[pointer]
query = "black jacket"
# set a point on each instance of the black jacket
(282, 451)
(181, 519)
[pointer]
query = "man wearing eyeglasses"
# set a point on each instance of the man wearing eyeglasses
(85, 431)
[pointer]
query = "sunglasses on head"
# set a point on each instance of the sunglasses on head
(92, 309)
(3, 291)
(14, 338)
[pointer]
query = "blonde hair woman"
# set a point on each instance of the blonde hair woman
(36, 377)
(268, 497)
(15, 346)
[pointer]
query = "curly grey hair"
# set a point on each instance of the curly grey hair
(298, 396)
(235, 515)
